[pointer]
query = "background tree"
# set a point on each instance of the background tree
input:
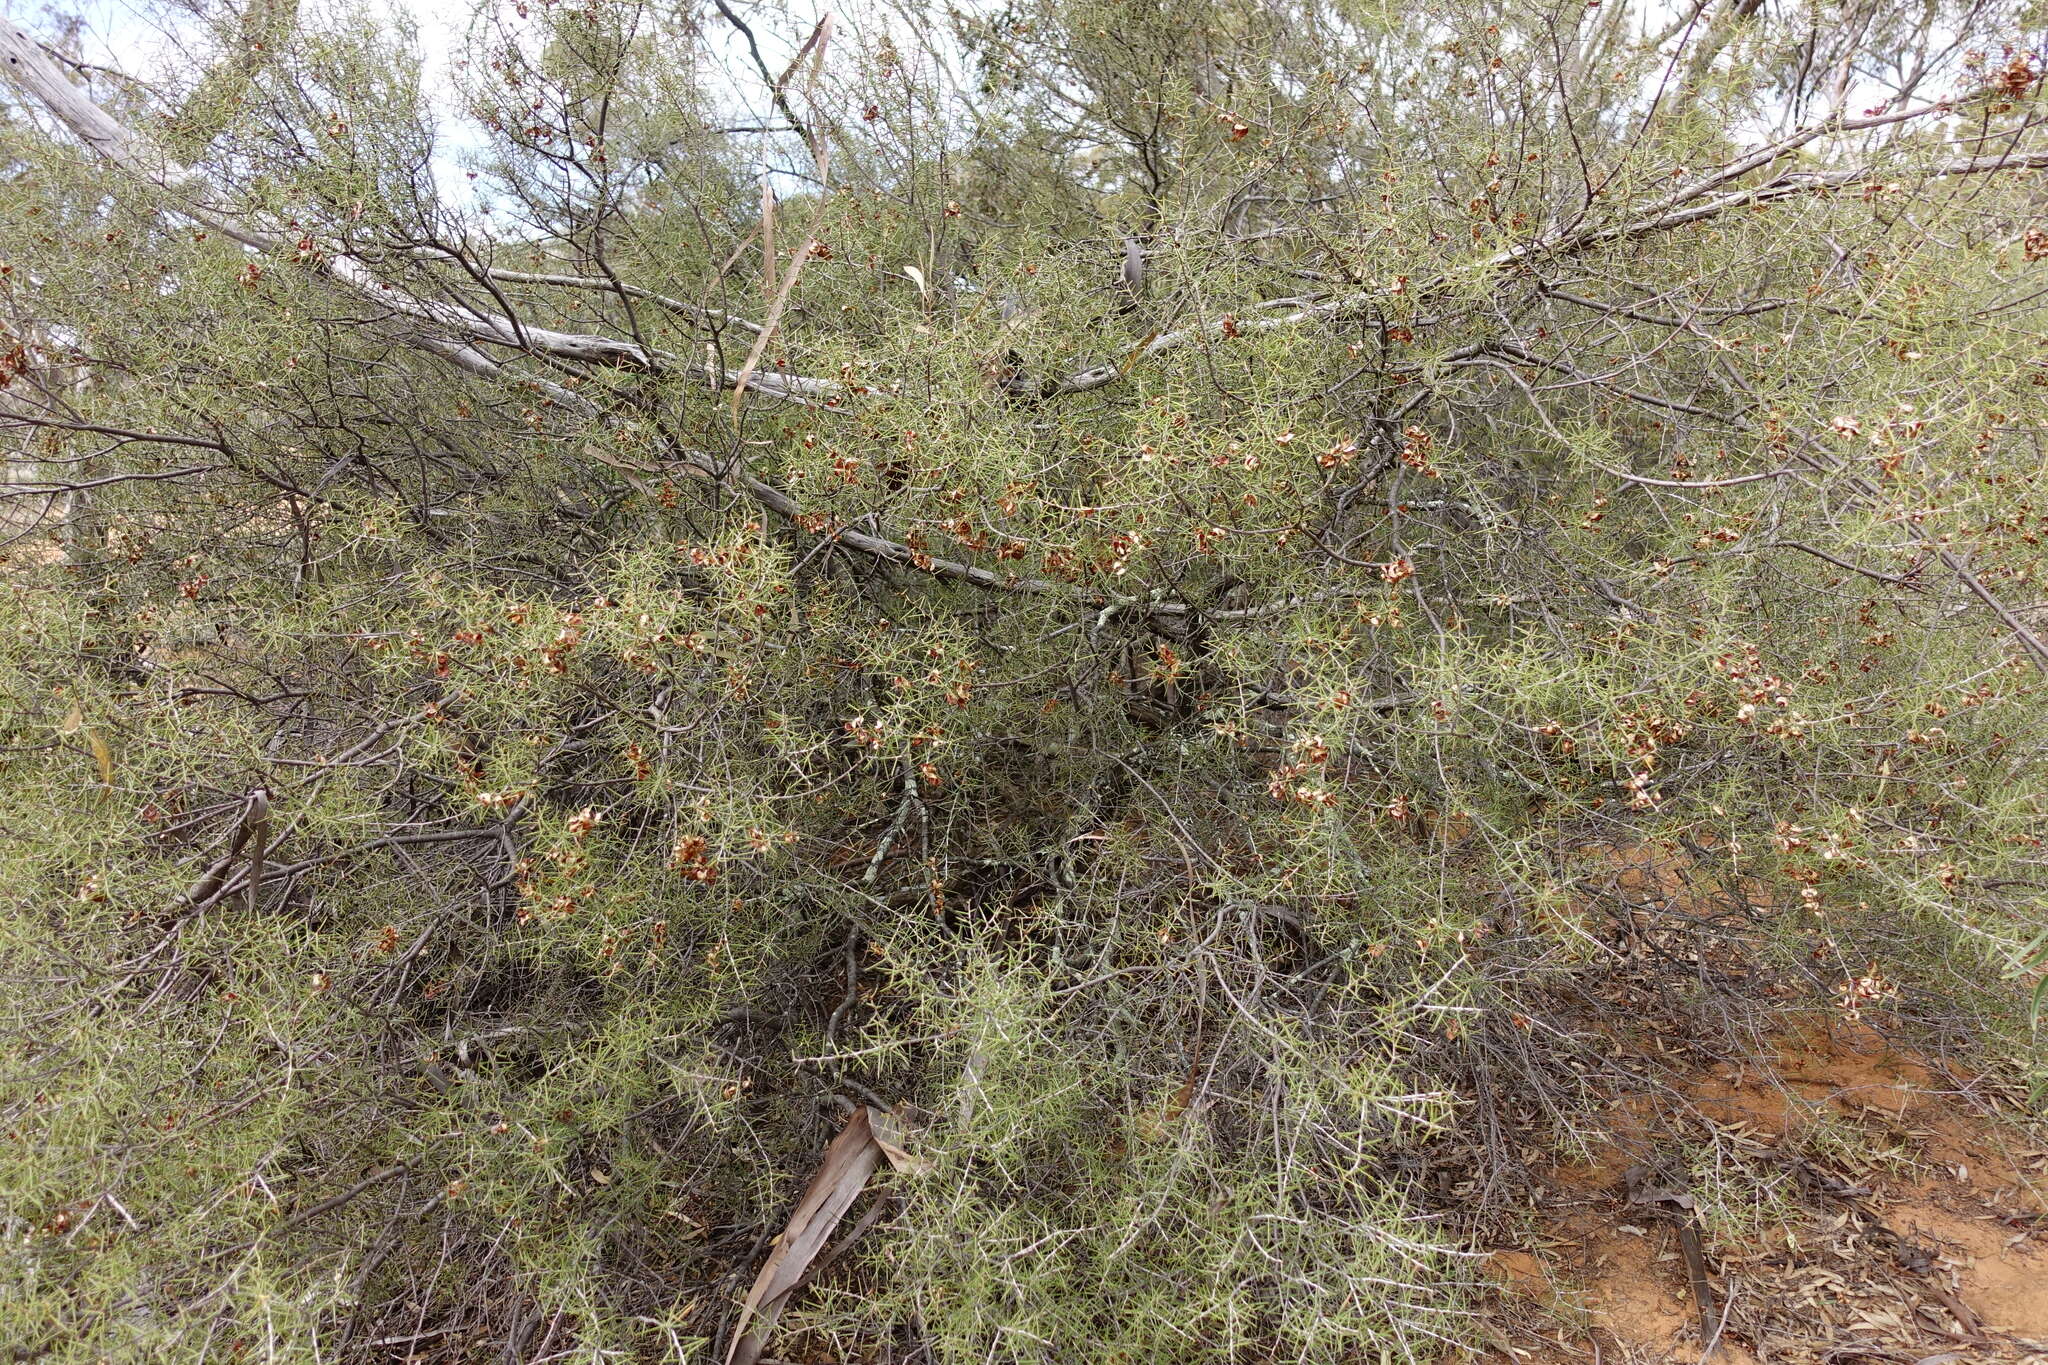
(1092, 579)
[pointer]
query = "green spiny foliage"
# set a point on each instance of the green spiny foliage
(1154, 734)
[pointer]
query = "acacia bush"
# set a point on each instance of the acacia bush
(1093, 573)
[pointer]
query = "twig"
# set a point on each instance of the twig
(775, 87)
(904, 807)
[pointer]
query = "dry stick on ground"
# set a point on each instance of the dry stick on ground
(842, 1175)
